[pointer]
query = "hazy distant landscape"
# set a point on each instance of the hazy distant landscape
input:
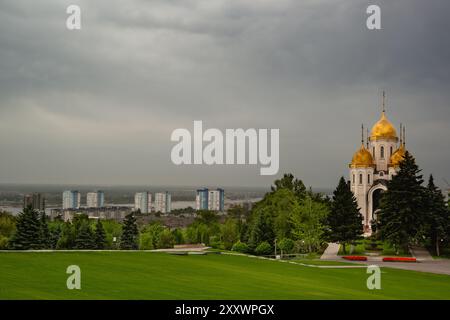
(12, 194)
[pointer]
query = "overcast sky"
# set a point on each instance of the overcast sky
(98, 106)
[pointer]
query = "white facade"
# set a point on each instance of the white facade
(143, 202)
(215, 200)
(71, 199)
(95, 199)
(163, 202)
(373, 166)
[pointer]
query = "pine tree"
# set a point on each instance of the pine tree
(100, 236)
(84, 238)
(130, 234)
(28, 231)
(402, 205)
(45, 237)
(345, 222)
(436, 216)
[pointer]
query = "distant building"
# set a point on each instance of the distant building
(35, 200)
(112, 213)
(216, 200)
(163, 202)
(210, 199)
(71, 199)
(95, 199)
(143, 202)
(201, 200)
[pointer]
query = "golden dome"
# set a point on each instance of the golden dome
(398, 156)
(383, 129)
(362, 159)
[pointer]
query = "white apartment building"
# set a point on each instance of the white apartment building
(143, 202)
(163, 202)
(71, 199)
(95, 199)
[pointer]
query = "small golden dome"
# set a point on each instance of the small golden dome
(362, 159)
(383, 129)
(398, 156)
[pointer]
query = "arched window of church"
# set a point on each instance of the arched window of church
(381, 173)
(360, 178)
(368, 178)
(353, 178)
(373, 151)
(382, 152)
(390, 154)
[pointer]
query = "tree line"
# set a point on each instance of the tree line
(289, 219)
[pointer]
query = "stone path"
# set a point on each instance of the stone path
(331, 252)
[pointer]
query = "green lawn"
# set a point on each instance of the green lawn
(142, 275)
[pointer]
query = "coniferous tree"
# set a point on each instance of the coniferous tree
(436, 216)
(28, 231)
(401, 213)
(100, 236)
(84, 237)
(45, 237)
(130, 234)
(345, 220)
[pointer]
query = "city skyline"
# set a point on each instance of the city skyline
(97, 106)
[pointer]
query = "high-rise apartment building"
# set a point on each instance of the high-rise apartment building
(216, 200)
(35, 200)
(201, 200)
(143, 202)
(163, 202)
(95, 199)
(210, 199)
(71, 199)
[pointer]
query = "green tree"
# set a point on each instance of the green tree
(344, 223)
(166, 239)
(84, 237)
(290, 183)
(286, 245)
(437, 216)
(401, 214)
(309, 223)
(45, 236)
(100, 236)
(261, 228)
(7, 228)
(28, 231)
(130, 234)
(229, 233)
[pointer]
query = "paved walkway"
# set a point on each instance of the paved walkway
(420, 253)
(331, 252)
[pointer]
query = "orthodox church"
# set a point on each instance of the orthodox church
(374, 164)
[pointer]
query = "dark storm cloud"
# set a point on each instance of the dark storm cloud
(98, 105)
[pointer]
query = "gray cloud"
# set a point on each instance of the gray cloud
(98, 105)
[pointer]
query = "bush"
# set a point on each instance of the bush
(286, 245)
(240, 247)
(215, 242)
(264, 248)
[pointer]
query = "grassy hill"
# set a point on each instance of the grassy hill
(142, 275)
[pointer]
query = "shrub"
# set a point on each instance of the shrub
(240, 247)
(264, 248)
(287, 245)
